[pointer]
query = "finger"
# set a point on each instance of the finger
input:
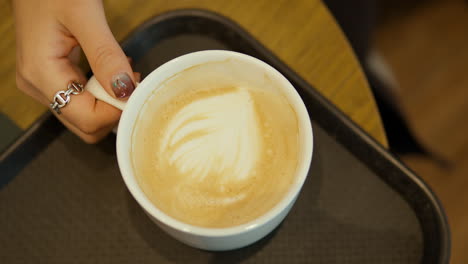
(88, 138)
(106, 58)
(83, 111)
(137, 76)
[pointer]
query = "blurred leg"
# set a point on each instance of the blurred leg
(358, 19)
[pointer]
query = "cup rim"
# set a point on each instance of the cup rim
(136, 101)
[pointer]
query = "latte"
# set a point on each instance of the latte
(217, 148)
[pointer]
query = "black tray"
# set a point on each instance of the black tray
(359, 204)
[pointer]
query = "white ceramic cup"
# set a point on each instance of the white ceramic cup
(202, 237)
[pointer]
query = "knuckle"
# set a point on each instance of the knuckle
(24, 85)
(20, 82)
(103, 56)
(25, 71)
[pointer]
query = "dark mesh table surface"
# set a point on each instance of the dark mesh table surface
(345, 214)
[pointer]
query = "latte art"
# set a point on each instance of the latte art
(213, 148)
(214, 135)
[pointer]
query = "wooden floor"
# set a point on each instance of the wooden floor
(427, 49)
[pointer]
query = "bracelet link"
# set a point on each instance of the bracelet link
(62, 98)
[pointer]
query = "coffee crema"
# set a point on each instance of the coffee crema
(212, 150)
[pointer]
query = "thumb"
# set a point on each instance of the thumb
(106, 58)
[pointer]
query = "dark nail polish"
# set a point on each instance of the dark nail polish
(122, 85)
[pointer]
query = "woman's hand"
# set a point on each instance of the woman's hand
(49, 34)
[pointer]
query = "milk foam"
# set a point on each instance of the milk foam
(217, 135)
(216, 145)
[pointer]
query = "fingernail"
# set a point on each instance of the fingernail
(122, 85)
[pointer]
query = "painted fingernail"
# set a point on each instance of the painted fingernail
(122, 85)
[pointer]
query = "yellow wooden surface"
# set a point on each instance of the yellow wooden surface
(22, 109)
(302, 33)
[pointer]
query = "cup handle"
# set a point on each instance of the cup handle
(95, 88)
